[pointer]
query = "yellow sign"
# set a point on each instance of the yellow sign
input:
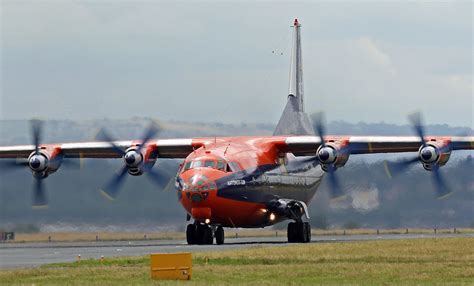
(173, 266)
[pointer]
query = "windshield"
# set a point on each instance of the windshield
(218, 164)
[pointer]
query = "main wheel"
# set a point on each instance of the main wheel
(191, 234)
(291, 232)
(308, 231)
(219, 234)
(300, 232)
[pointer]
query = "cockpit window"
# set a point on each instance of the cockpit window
(187, 166)
(197, 164)
(210, 164)
(221, 165)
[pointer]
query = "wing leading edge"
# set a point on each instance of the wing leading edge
(166, 148)
(308, 145)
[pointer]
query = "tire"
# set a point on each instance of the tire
(191, 234)
(300, 232)
(308, 231)
(207, 235)
(199, 235)
(219, 235)
(291, 232)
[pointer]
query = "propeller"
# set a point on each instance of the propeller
(132, 159)
(39, 197)
(335, 189)
(37, 163)
(426, 153)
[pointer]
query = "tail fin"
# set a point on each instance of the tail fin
(294, 121)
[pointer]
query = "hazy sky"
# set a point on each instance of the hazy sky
(210, 61)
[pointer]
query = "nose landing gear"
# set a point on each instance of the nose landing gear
(198, 233)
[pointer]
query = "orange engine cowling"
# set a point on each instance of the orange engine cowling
(45, 161)
(330, 154)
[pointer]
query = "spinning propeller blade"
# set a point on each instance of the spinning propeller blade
(39, 196)
(112, 188)
(335, 189)
(396, 168)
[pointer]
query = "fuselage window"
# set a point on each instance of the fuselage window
(210, 164)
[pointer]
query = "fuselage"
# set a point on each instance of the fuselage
(231, 181)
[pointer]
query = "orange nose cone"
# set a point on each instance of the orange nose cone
(201, 213)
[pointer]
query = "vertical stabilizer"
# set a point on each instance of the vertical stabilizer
(294, 121)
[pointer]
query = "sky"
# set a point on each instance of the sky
(229, 61)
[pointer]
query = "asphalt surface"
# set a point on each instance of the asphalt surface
(22, 255)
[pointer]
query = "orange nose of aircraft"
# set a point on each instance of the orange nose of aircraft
(198, 190)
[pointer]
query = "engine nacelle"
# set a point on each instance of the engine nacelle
(330, 154)
(44, 162)
(431, 155)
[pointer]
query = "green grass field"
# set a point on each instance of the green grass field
(404, 262)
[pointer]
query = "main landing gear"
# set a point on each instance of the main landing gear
(198, 233)
(299, 231)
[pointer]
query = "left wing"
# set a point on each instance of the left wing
(308, 145)
(332, 152)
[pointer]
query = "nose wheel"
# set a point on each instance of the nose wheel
(198, 233)
(299, 232)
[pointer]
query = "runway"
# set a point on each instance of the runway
(20, 255)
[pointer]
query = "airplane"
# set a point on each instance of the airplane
(245, 181)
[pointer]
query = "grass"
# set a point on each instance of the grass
(124, 236)
(431, 261)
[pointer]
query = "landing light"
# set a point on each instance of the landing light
(207, 221)
(272, 216)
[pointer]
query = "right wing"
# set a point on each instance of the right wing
(166, 148)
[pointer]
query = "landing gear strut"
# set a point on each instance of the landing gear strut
(299, 232)
(198, 233)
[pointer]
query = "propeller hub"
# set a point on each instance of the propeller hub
(429, 154)
(133, 159)
(38, 163)
(327, 155)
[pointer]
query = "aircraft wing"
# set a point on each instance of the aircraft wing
(166, 148)
(308, 145)
(298, 145)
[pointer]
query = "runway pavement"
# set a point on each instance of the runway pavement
(19, 255)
